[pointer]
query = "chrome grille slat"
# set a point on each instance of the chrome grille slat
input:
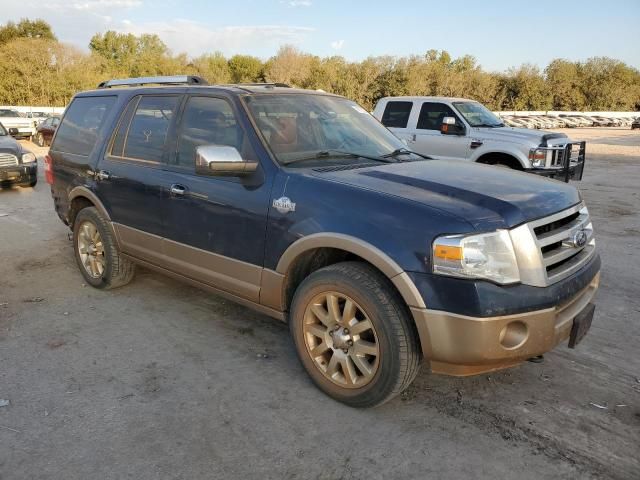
(564, 232)
(8, 160)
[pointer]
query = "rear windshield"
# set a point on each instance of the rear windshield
(78, 132)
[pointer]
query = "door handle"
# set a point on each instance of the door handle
(177, 189)
(103, 175)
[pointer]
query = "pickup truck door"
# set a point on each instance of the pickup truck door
(424, 132)
(215, 226)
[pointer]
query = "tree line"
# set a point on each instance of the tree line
(37, 69)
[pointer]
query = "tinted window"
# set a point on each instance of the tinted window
(207, 121)
(396, 114)
(78, 132)
(117, 147)
(149, 127)
(431, 115)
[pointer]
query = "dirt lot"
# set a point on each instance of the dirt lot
(160, 380)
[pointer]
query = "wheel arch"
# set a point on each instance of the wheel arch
(81, 197)
(510, 158)
(322, 249)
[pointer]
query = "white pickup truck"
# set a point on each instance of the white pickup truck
(460, 129)
(12, 119)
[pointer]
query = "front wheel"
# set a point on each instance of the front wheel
(96, 251)
(353, 334)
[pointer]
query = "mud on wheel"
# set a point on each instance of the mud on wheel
(353, 334)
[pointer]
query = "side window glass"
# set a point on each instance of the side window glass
(149, 126)
(431, 115)
(117, 148)
(78, 133)
(396, 114)
(209, 121)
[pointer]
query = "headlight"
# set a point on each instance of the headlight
(538, 158)
(28, 158)
(486, 255)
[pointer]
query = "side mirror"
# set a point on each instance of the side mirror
(450, 127)
(13, 131)
(217, 160)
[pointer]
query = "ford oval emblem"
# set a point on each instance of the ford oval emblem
(580, 239)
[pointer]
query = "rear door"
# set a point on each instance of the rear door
(132, 177)
(426, 136)
(215, 226)
(396, 116)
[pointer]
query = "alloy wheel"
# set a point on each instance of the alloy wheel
(91, 249)
(341, 340)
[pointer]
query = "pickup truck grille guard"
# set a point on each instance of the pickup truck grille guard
(562, 161)
(552, 248)
(8, 160)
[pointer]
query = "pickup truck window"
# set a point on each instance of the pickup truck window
(477, 114)
(78, 131)
(431, 115)
(147, 133)
(299, 126)
(396, 114)
(208, 121)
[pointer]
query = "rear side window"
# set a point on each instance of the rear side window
(396, 114)
(78, 132)
(431, 115)
(147, 134)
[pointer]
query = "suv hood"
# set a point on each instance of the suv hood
(520, 135)
(9, 144)
(486, 197)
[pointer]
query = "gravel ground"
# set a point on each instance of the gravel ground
(160, 380)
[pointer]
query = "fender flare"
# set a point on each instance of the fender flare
(358, 247)
(82, 191)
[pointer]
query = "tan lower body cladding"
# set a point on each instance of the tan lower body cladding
(459, 345)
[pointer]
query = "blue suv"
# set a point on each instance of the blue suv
(302, 205)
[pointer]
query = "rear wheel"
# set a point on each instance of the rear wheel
(97, 253)
(353, 334)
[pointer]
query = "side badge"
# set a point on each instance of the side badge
(284, 205)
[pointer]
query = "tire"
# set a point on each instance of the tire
(377, 377)
(40, 140)
(32, 184)
(116, 271)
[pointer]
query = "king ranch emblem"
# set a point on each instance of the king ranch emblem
(284, 205)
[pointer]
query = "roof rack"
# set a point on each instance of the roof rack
(262, 84)
(166, 80)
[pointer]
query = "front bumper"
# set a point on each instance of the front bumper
(19, 174)
(462, 345)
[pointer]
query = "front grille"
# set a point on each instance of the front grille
(8, 160)
(556, 236)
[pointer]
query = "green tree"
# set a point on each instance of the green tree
(245, 69)
(26, 28)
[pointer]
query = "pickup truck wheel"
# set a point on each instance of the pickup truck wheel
(353, 334)
(97, 253)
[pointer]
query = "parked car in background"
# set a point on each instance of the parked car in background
(45, 131)
(17, 165)
(635, 124)
(37, 116)
(461, 129)
(300, 204)
(25, 127)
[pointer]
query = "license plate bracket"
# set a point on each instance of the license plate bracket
(581, 325)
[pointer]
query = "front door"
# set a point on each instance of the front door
(215, 226)
(131, 177)
(427, 138)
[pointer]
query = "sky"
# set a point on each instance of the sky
(500, 34)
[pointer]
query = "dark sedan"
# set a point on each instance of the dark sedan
(17, 166)
(635, 124)
(45, 131)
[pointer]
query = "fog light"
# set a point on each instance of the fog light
(513, 335)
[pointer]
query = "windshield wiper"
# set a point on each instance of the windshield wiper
(335, 154)
(405, 151)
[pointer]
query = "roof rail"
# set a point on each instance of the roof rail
(166, 80)
(262, 84)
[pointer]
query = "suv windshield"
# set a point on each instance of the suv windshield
(9, 113)
(321, 128)
(477, 114)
